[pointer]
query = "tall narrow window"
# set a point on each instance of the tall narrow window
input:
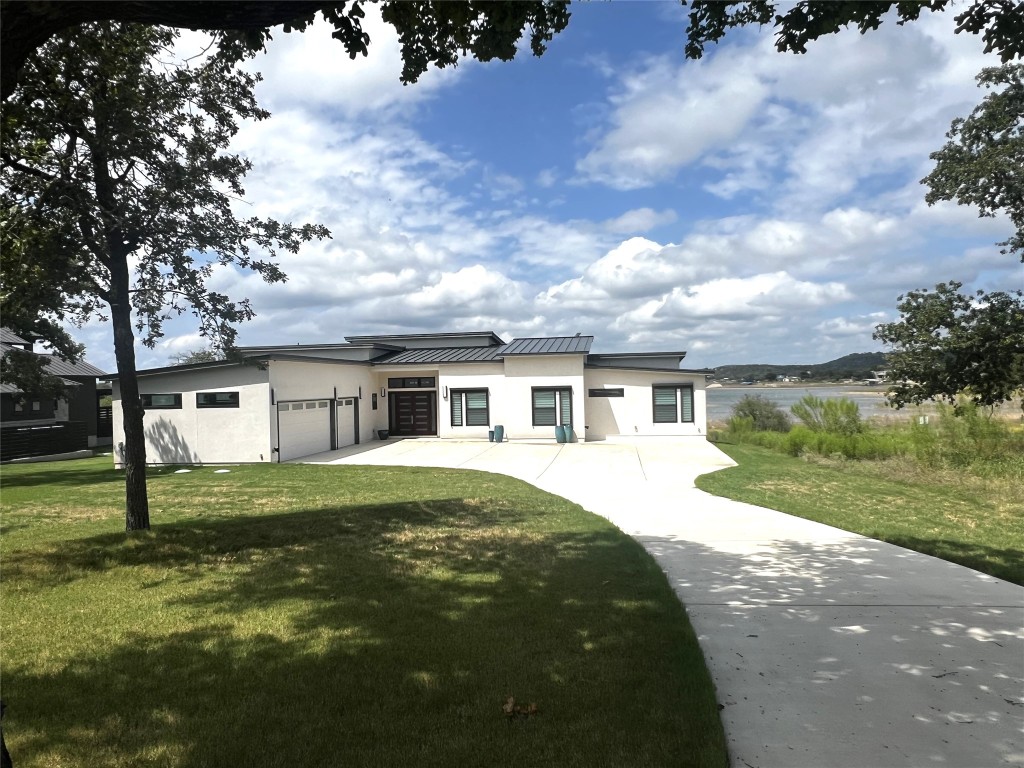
(552, 407)
(470, 408)
(673, 403)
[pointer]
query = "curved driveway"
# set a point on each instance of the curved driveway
(826, 648)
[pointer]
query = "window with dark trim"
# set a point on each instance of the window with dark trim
(470, 408)
(673, 403)
(412, 382)
(552, 406)
(216, 399)
(613, 392)
(157, 401)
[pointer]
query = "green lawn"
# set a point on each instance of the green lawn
(320, 616)
(971, 522)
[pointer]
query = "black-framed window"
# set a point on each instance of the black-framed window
(673, 403)
(412, 382)
(611, 392)
(470, 408)
(552, 406)
(163, 400)
(217, 400)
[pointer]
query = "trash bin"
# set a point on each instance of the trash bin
(559, 434)
(382, 434)
(499, 433)
(490, 435)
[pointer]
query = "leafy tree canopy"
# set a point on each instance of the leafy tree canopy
(430, 32)
(999, 22)
(982, 162)
(117, 193)
(948, 344)
(196, 356)
(433, 32)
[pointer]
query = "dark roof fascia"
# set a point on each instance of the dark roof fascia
(368, 339)
(542, 354)
(680, 355)
(308, 359)
(703, 371)
(287, 349)
(186, 368)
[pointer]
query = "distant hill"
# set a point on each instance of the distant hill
(856, 366)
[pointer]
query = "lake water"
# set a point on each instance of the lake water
(870, 400)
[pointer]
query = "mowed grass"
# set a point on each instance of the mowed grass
(967, 520)
(317, 616)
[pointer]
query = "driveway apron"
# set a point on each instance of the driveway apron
(826, 648)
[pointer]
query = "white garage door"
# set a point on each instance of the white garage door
(346, 421)
(305, 428)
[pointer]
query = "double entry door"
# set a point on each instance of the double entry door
(412, 413)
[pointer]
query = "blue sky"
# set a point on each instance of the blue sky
(750, 207)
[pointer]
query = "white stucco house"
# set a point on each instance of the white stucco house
(282, 403)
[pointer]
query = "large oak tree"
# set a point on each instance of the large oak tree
(117, 195)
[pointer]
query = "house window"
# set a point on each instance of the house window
(552, 407)
(171, 400)
(35, 405)
(614, 392)
(412, 382)
(470, 408)
(216, 399)
(673, 403)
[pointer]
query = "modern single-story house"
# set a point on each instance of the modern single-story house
(281, 403)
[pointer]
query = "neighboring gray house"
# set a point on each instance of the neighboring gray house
(285, 402)
(57, 425)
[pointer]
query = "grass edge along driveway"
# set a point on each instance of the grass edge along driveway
(956, 524)
(303, 616)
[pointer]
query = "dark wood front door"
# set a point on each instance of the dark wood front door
(412, 413)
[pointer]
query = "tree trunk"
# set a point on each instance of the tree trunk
(134, 450)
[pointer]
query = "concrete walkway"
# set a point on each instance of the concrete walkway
(826, 648)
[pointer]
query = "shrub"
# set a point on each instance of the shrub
(840, 416)
(765, 415)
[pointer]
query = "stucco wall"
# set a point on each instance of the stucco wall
(191, 435)
(522, 373)
(633, 414)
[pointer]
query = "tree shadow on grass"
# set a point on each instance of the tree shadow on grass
(1003, 563)
(370, 635)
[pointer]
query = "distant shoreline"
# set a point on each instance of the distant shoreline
(867, 389)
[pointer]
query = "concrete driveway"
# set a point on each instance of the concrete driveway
(826, 648)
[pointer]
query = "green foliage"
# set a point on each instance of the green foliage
(196, 356)
(981, 163)
(838, 416)
(966, 437)
(1001, 25)
(947, 344)
(763, 414)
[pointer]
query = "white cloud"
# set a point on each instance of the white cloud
(639, 220)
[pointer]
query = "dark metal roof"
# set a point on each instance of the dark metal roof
(56, 365)
(445, 355)
(60, 367)
(490, 336)
(550, 345)
(7, 336)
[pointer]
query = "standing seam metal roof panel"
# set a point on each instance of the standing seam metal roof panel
(445, 355)
(549, 345)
